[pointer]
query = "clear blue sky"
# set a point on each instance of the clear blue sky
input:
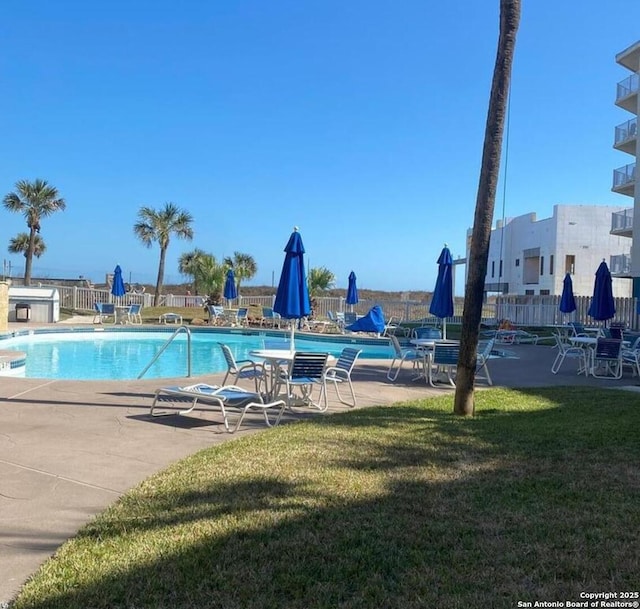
(361, 122)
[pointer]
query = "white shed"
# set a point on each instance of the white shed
(43, 304)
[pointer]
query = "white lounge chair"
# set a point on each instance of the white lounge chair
(224, 398)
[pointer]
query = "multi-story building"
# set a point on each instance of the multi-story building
(531, 257)
(624, 178)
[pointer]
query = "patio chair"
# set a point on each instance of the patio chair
(243, 316)
(485, 347)
(225, 398)
(243, 368)
(134, 315)
(348, 318)
(442, 359)
(104, 310)
(305, 372)
(393, 327)
(401, 355)
(426, 332)
(631, 356)
(215, 313)
(606, 358)
(270, 318)
(566, 349)
(341, 373)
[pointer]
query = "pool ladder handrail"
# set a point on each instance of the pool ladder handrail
(162, 350)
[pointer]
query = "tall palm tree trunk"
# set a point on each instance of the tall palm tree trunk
(485, 202)
(28, 261)
(160, 279)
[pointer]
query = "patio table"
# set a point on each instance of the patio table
(275, 358)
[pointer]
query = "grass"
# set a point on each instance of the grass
(536, 498)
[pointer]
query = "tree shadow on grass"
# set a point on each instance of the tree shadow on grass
(431, 510)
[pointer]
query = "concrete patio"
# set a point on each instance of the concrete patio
(68, 449)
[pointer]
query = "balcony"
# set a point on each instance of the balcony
(627, 93)
(630, 57)
(622, 223)
(624, 180)
(626, 136)
(620, 265)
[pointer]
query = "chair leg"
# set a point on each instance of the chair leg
(336, 384)
(557, 363)
(392, 374)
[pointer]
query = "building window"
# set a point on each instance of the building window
(551, 264)
(541, 265)
(544, 292)
(500, 271)
(517, 261)
(493, 269)
(570, 264)
(529, 292)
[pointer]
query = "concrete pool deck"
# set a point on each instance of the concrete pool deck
(68, 449)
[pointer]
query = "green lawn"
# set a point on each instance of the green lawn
(407, 506)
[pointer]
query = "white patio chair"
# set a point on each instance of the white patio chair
(134, 315)
(631, 356)
(566, 349)
(243, 368)
(305, 372)
(484, 353)
(606, 358)
(401, 355)
(341, 373)
(442, 359)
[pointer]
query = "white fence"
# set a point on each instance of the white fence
(520, 310)
(545, 311)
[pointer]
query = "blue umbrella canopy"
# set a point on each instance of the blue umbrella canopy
(442, 301)
(602, 305)
(352, 290)
(230, 291)
(292, 297)
(567, 300)
(117, 287)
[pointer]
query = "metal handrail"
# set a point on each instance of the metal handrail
(169, 341)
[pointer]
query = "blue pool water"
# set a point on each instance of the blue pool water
(94, 355)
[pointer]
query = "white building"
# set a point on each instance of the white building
(624, 178)
(530, 257)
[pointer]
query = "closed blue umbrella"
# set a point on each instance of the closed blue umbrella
(567, 300)
(602, 305)
(292, 297)
(352, 290)
(442, 301)
(230, 291)
(117, 287)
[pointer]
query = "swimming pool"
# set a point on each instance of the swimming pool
(95, 354)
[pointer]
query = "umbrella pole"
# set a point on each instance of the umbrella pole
(444, 328)
(292, 345)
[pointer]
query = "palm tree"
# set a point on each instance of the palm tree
(190, 264)
(320, 279)
(20, 245)
(211, 276)
(485, 202)
(243, 265)
(34, 200)
(159, 225)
